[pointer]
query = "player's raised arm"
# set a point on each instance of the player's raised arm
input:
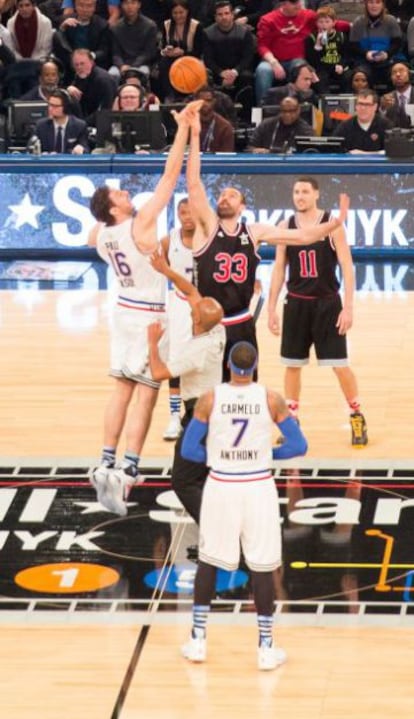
(159, 263)
(165, 187)
(201, 209)
(262, 232)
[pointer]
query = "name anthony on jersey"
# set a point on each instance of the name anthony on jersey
(239, 454)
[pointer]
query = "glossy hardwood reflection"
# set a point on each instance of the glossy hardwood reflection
(331, 673)
(54, 362)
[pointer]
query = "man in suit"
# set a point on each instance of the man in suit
(61, 132)
(393, 104)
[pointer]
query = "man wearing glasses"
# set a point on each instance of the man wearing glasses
(61, 132)
(365, 132)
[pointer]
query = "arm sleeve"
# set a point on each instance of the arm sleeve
(295, 444)
(192, 447)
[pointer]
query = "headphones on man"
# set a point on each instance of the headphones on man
(296, 68)
(66, 101)
(140, 90)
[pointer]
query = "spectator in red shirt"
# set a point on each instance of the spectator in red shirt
(281, 36)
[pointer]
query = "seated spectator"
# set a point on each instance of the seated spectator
(301, 77)
(394, 104)
(229, 55)
(281, 36)
(326, 51)
(246, 12)
(83, 29)
(134, 40)
(48, 81)
(135, 78)
(92, 86)
(30, 35)
(217, 134)
(365, 132)
(277, 134)
(358, 79)
(50, 77)
(61, 132)
(107, 9)
(225, 107)
(30, 32)
(375, 40)
(130, 98)
(115, 137)
(181, 35)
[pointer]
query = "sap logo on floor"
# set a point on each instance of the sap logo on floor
(179, 579)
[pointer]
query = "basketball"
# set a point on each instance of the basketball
(188, 74)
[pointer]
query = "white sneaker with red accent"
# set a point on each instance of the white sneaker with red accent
(118, 487)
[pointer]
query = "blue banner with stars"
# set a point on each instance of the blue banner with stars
(50, 211)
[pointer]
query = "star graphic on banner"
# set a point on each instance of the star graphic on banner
(92, 507)
(26, 213)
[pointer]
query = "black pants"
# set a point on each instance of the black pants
(244, 331)
(188, 478)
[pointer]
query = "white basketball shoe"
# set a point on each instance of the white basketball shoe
(118, 487)
(269, 658)
(195, 650)
(173, 429)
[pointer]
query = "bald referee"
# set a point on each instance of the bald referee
(199, 367)
(231, 432)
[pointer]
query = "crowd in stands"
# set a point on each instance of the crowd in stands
(282, 57)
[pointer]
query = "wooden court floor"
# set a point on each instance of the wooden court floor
(55, 385)
(331, 673)
(53, 365)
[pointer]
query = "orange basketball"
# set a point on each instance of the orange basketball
(188, 74)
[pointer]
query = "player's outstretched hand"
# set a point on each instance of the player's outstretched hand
(159, 262)
(188, 112)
